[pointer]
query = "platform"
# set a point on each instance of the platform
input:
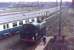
(41, 46)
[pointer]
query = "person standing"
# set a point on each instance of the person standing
(44, 40)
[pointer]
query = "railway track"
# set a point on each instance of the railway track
(23, 46)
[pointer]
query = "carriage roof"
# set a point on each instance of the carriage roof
(16, 16)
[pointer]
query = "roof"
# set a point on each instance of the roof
(11, 11)
(17, 16)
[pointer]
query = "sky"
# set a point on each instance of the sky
(34, 0)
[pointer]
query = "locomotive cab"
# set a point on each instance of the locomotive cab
(42, 27)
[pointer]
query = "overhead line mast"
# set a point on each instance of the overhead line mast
(60, 19)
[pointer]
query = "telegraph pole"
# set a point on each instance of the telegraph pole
(56, 2)
(73, 3)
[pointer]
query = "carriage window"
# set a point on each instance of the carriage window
(32, 20)
(15, 24)
(27, 21)
(5, 26)
(20, 22)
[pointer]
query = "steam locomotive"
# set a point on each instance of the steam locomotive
(30, 33)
